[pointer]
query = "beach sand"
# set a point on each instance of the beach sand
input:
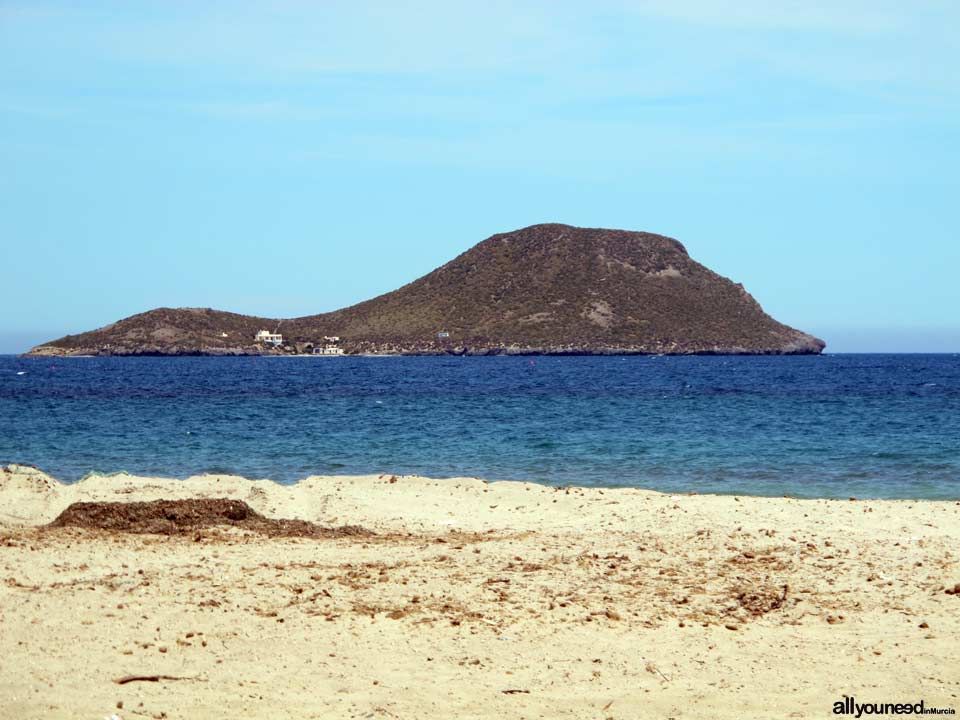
(476, 600)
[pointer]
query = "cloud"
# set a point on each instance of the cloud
(468, 76)
(328, 37)
(612, 46)
(850, 16)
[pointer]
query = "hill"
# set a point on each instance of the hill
(551, 289)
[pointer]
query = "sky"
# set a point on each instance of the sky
(286, 158)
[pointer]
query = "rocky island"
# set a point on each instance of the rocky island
(546, 289)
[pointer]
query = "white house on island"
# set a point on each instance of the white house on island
(331, 346)
(265, 336)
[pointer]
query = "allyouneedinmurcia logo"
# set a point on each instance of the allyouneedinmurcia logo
(850, 706)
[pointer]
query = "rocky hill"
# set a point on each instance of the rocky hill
(551, 289)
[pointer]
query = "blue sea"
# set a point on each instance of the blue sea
(830, 426)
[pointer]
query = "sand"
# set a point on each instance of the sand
(475, 600)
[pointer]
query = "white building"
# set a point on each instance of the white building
(265, 336)
(331, 346)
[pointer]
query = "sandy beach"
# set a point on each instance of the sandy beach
(475, 600)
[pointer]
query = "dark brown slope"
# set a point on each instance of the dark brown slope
(545, 288)
(167, 331)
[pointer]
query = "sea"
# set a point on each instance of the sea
(866, 426)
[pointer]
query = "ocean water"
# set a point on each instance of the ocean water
(830, 426)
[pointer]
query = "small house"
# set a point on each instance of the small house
(331, 346)
(265, 336)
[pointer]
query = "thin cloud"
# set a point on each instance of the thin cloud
(849, 17)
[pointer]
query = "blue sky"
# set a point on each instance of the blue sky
(287, 158)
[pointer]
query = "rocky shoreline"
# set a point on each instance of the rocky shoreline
(422, 349)
(48, 351)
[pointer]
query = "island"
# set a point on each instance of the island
(547, 289)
